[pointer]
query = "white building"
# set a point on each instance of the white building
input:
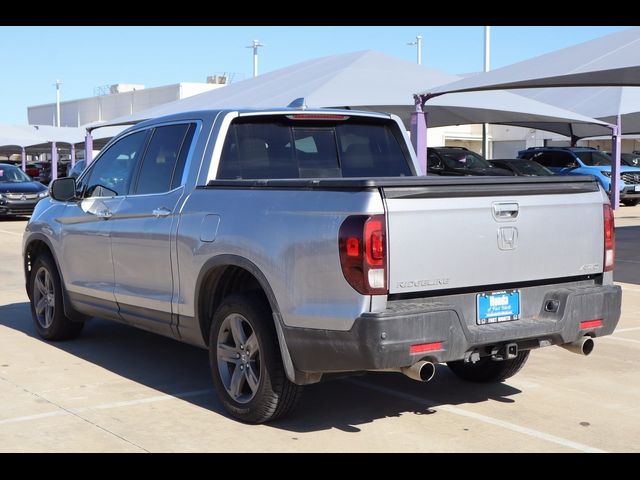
(118, 100)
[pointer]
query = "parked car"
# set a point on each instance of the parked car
(522, 167)
(459, 161)
(33, 170)
(45, 172)
(589, 161)
(19, 193)
(296, 244)
(77, 169)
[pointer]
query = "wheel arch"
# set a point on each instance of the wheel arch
(223, 275)
(38, 244)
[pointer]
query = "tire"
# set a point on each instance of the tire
(486, 370)
(47, 308)
(260, 391)
(631, 203)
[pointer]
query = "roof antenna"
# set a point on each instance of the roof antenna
(298, 103)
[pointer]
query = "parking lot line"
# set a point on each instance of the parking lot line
(482, 418)
(75, 411)
(632, 329)
(11, 233)
(620, 339)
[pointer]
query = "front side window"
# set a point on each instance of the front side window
(113, 171)
(163, 161)
(594, 159)
(464, 159)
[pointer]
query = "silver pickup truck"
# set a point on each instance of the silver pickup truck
(300, 244)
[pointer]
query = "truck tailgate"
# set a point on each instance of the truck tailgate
(486, 231)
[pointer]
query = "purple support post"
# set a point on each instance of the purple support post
(615, 165)
(73, 155)
(54, 161)
(419, 134)
(24, 160)
(88, 148)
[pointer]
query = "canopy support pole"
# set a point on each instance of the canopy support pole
(615, 165)
(88, 148)
(54, 161)
(24, 160)
(73, 155)
(419, 134)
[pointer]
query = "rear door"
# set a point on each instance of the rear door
(482, 234)
(142, 226)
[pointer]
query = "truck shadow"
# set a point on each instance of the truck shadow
(175, 368)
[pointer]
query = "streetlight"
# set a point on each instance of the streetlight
(57, 84)
(487, 67)
(255, 46)
(418, 43)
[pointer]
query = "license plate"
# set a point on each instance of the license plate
(637, 188)
(494, 307)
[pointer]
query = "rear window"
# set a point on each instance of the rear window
(267, 149)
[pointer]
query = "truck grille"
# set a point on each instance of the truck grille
(21, 196)
(631, 178)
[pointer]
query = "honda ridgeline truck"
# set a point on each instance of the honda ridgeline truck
(299, 244)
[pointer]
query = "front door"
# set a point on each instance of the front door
(86, 261)
(142, 229)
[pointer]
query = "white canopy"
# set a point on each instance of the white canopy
(612, 60)
(373, 81)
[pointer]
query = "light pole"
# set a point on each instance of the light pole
(57, 84)
(418, 44)
(487, 67)
(255, 46)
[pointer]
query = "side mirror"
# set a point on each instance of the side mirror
(63, 189)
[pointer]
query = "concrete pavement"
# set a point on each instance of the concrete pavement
(120, 389)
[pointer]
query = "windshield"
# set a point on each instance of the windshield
(11, 174)
(594, 159)
(463, 159)
(630, 159)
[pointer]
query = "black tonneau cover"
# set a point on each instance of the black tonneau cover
(424, 187)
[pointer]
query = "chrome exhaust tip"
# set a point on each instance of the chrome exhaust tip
(421, 371)
(583, 346)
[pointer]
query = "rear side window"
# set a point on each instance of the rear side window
(164, 159)
(261, 149)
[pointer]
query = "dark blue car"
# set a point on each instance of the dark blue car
(19, 193)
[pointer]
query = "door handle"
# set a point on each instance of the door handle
(505, 211)
(106, 213)
(161, 212)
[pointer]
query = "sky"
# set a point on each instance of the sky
(84, 58)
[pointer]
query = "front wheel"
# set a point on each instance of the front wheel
(47, 309)
(245, 360)
(631, 203)
(486, 370)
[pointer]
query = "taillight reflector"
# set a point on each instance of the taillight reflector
(609, 239)
(425, 347)
(590, 324)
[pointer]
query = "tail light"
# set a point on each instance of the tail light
(362, 242)
(609, 239)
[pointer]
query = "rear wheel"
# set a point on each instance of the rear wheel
(46, 302)
(486, 370)
(245, 360)
(631, 203)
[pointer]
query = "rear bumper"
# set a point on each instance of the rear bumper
(382, 340)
